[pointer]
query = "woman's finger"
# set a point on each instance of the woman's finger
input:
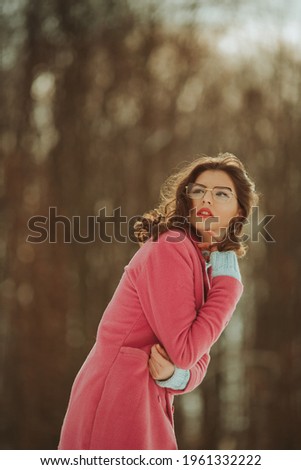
(158, 349)
(153, 369)
(156, 365)
(160, 360)
(162, 351)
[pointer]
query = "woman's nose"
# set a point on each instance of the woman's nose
(207, 197)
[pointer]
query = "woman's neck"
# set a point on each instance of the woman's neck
(206, 238)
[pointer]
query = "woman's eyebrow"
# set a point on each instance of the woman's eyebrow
(217, 186)
(224, 187)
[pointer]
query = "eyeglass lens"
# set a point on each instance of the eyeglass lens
(220, 194)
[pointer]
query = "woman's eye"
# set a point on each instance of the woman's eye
(222, 194)
(198, 191)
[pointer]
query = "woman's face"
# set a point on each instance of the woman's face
(222, 209)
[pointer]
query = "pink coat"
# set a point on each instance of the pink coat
(164, 296)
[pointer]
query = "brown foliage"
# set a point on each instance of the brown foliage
(97, 114)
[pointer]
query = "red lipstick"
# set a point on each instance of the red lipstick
(204, 212)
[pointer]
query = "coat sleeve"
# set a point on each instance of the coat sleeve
(165, 287)
(197, 374)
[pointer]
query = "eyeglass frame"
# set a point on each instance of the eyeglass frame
(209, 189)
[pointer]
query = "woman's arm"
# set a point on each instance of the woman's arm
(166, 290)
(178, 381)
(197, 375)
(164, 372)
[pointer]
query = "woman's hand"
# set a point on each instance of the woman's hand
(159, 364)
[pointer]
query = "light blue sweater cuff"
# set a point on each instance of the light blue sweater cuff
(177, 381)
(224, 263)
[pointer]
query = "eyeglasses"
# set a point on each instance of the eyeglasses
(219, 193)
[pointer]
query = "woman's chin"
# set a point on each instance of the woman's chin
(206, 237)
(204, 229)
(212, 234)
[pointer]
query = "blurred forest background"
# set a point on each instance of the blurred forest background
(100, 101)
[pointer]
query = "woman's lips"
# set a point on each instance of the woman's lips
(204, 213)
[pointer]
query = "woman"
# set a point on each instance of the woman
(174, 299)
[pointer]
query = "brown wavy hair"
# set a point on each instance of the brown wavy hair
(174, 206)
